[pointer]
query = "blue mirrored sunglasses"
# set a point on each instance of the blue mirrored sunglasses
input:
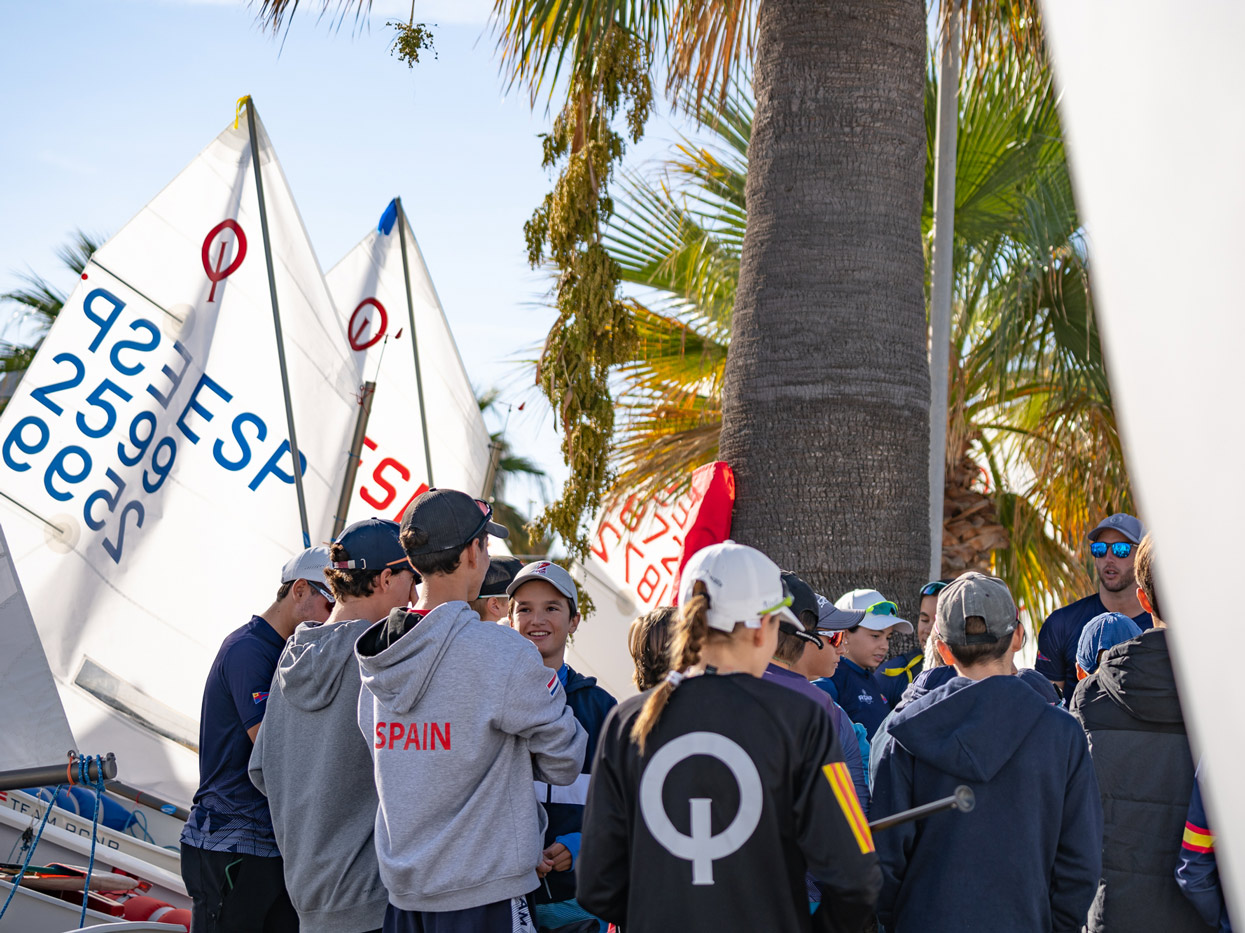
(933, 587)
(884, 608)
(1120, 549)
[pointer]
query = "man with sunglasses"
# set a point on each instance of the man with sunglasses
(230, 860)
(461, 716)
(1113, 546)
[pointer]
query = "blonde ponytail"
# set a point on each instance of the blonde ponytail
(689, 636)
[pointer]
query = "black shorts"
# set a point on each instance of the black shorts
(236, 893)
(510, 916)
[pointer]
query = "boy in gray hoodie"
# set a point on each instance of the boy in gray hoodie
(461, 715)
(324, 805)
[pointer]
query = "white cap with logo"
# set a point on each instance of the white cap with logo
(880, 612)
(743, 585)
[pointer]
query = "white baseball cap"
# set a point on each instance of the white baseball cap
(743, 585)
(880, 612)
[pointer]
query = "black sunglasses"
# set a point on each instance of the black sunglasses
(1120, 549)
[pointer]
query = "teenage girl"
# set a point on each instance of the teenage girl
(715, 792)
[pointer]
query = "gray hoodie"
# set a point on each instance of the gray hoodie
(315, 768)
(461, 715)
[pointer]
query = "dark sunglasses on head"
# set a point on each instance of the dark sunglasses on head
(487, 517)
(1120, 549)
(933, 587)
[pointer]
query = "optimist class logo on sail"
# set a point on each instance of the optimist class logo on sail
(102, 423)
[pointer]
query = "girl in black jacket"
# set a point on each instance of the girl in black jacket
(714, 793)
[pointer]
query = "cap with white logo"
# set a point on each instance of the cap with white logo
(552, 574)
(743, 586)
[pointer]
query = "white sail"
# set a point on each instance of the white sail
(36, 732)
(148, 483)
(371, 289)
(1151, 101)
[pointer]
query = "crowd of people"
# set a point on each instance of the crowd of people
(397, 743)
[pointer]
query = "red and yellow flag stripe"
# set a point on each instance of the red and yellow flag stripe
(1198, 838)
(845, 793)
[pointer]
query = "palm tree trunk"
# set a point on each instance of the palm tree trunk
(826, 392)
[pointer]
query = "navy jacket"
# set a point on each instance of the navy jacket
(565, 805)
(1028, 857)
(859, 693)
(1197, 872)
(895, 674)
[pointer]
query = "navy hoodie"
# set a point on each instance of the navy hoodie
(565, 805)
(1028, 857)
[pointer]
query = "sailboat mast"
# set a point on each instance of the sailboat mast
(276, 319)
(410, 310)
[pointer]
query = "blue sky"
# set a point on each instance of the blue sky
(105, 101)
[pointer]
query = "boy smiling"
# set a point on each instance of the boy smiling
(544, 610)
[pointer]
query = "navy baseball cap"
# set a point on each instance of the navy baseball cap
(802, 596)
(372, 544)
(447, 520)
(501, 573)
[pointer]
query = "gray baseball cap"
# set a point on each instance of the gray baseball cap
(1128, 525)
(552, 574)
(975, 594)
(310, 566)
(830, 618)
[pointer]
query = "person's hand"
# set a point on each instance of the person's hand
(558, 856)
(543, 867)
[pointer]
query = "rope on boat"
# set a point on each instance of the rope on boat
(84, 777)
(17, 880)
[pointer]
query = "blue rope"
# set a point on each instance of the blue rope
(47, 811)
(84, 777)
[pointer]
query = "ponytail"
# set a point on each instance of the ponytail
(689, 635)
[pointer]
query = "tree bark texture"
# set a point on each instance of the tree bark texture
(826, 393)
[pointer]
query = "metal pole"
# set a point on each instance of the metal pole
(51, 775)
(352, 465)
(963, 800)
(276, 320)
(410, 310)
(941, 280)
(122, 789)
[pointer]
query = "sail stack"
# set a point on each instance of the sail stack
(149, 494)
(400, 339)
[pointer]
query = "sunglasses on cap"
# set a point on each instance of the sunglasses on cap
(789, 628)
(933, 588)
(1120, 549)
(487, 517)
(323, 591)
(884, 608)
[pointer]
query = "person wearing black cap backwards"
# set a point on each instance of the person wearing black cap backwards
(1028, 856)
(324, 806)
(1113, 546)
(461, 715)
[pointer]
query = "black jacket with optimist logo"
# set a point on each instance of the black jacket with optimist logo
(742, 790)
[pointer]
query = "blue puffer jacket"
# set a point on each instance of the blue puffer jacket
(565, 805)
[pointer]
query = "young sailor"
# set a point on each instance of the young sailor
(460, 714)
(324, 805)
(544, 609)
(713, 794)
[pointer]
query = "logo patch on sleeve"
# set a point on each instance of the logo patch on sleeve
(552, 686)
(845, 793)
(259, 697)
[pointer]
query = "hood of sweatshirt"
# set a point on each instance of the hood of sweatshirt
(1137, 675)
(970, 728)
(576, 681)
(400, 674)
(928, 680)
(315, 662)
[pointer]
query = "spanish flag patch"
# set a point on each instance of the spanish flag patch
(1198, 839)
(845, 793)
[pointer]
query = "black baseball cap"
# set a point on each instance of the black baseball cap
(448, 519)
(501, 573)
(802, 596)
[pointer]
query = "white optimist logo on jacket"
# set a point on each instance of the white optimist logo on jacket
(413, 736)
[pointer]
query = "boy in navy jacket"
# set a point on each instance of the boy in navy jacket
(544, 610)
(1004, 866)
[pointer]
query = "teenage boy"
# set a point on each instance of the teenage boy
(1130, 710)
(1032, 867)
(787, 666)
(544, 609)
(896, 673)
(853, 685)
(330, 861)
(1113, 545)
(460, 715)
(230, 860)
(491, 604)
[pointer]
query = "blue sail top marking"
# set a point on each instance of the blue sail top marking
(388, 218)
